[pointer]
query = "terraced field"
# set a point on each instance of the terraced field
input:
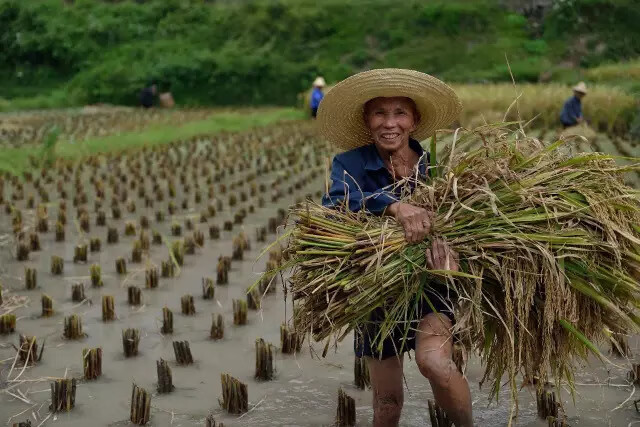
(17, 129)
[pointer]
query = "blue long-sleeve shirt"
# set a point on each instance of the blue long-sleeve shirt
(571, 111)
(316, 97)
(361, 177)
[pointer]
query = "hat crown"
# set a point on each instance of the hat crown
(580, 87)
(319, 81)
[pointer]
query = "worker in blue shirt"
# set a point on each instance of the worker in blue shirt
(376, 119)
(571, 113)
(317, 95)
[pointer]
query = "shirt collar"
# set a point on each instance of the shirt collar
(374, 162)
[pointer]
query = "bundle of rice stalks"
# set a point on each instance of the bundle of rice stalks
(581, 129)
(168, 268)
(130, 341)
(182, 352)
(211, 422)
(437, 416)
(549, 249)
(140, 406)
(57, 265)
(92, 362)
(34, 242)
(165, 378)
(60, 234)
(80, 253)
(28, 350)
(77, 292)
(217, 327)
(30, 278)
(73, 327)
(108, 308)
(235, 396)
(167, 321)
(177, 252)
(47, 306)
(95, 272)
(208, 289)
(63, 395)
(264, 360)
(290, 342)
(346, 412)
(188, 305)
(7, 323)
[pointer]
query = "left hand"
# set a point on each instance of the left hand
(441, 257)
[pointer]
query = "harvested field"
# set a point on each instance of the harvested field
(90, 121)
(189, 184)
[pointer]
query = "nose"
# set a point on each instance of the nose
(389, 121)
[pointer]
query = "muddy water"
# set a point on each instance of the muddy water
(304, 392)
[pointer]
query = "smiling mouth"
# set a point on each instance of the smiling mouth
(390, 135)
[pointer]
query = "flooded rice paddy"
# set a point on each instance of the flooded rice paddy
(290, 164)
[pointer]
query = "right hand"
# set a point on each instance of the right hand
(415, 221)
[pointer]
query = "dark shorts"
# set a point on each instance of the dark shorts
(314, 112)
(397, 342)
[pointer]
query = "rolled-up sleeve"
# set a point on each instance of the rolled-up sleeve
(344, 187)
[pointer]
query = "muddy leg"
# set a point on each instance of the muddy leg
(386, 382)
(434, 346)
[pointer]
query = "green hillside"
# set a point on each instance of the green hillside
(266, 52)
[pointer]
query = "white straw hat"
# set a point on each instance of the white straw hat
(580, 87)
(340, 116)
(319, 81)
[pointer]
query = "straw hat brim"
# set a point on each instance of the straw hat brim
(340, 116)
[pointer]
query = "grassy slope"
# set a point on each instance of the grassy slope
(16, 160)
(267, 51)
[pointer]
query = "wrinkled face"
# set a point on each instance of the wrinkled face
(391, 121)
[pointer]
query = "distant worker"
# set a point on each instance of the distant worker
(571, 113)
(317, 95)
(148, 94)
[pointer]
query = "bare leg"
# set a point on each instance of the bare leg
(434, 346)
(388, 396)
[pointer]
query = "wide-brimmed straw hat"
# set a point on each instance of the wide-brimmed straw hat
(340, 116)
(580, 87)
(319, 82)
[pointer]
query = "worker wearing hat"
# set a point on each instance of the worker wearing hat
(317, 95)
(571, 113)
(377, 119)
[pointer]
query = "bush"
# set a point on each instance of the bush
(267, 51)
(609, 24)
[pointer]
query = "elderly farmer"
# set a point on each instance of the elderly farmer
(317, 95)
(571, 113)
(377, 117)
